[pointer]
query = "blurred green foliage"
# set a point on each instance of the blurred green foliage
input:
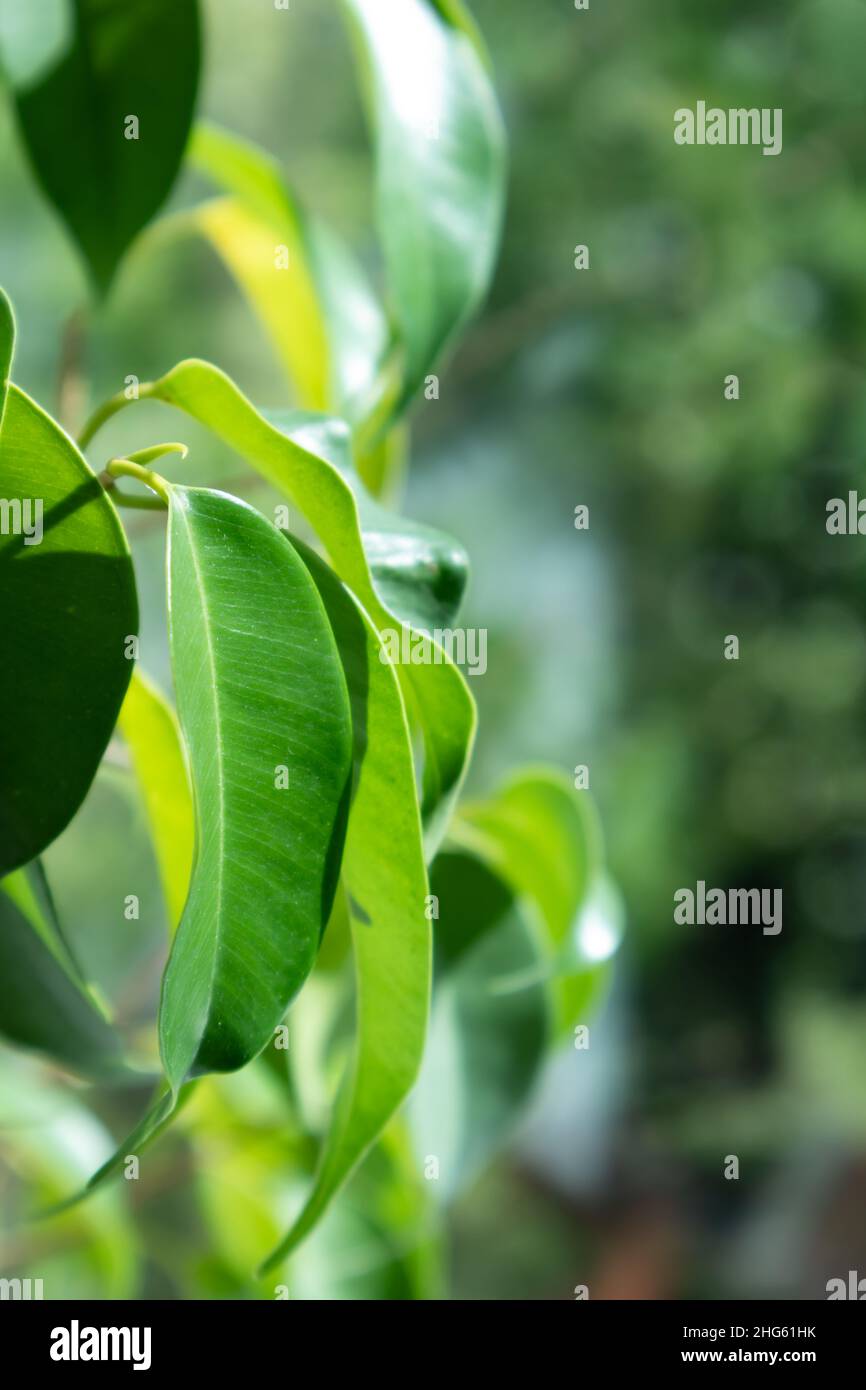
(602, 387)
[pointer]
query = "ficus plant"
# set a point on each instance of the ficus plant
(386, 964)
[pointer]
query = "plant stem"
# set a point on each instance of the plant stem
(125, 468)
(99, 417)
(127, 499)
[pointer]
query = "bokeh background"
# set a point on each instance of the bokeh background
(707, 518)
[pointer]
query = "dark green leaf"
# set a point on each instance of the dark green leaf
(76, 90)
(68, 606)
(44, 1002)
(262, 701)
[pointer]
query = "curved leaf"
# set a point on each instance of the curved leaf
(386, 893)
(152, 733)
(283, 298)
(436, 695)
(68, 606)
(419, 574)
(7, 342)
(44, 1002)
(320, 311)
(543, 839)
(440, 159)
(262, 703)
(113, 62)
(487, 1039)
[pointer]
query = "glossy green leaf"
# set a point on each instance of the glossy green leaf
(326, 324)
(265, 715)
(398, 571)
(440, 160)
(419, 574)
(490, 1026)
(387, 898)
(152, 733)
(7, 342)
(543, 839)
(68, 607)
(77, 88)
(44, 1001)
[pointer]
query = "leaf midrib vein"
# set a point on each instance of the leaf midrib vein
(211, 660)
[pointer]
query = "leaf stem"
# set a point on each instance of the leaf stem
(128, 468)
(101, 415)
(133, 503)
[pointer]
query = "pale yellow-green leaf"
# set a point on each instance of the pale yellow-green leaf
(152, 733)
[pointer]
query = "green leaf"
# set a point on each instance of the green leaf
(76, 89)
(488, 1034)
(455, 12)
(418, 574)
(152, 733)
(44, 1001)
(400, 572)
(542, 837)
(325, 322)
(378, 1240)
(68, 607)
(387, 898)
(440, 158)
(261, 699)
(7, 342)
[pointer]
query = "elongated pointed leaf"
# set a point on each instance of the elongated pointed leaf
(488, 1037)
(386, 883)
(68, 606)
(440, 160)
(542, 838)
(419, 574)
(150, 727)
(265, 714)
(321, 313)
(283, 297)
(7, 342)
(161, 1113)
(44, 1002)
(379, 565)
(104, 104)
